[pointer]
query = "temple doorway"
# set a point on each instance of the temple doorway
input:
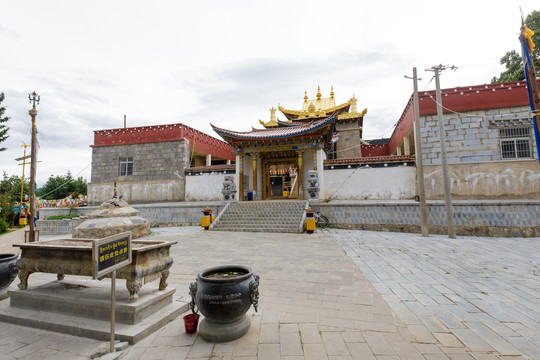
(280, 186)
(281, 180)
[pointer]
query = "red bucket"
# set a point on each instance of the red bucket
(190, 322)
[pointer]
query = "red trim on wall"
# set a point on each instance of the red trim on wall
(374, 150)
(461, 99)
(373, 159)
(160, 133)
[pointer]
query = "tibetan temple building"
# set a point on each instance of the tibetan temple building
(274, 162)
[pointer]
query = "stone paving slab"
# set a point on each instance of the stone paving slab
(481, 291)
(341, 294)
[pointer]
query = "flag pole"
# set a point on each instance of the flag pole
(527, 47)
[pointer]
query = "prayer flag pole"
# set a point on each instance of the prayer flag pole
(527, 47)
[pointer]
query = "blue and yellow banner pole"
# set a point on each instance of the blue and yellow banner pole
(527, 46)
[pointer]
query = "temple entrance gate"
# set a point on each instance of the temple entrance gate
(281, 179)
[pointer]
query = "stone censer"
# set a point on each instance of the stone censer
(223, 294)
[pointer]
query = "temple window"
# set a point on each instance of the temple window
(515, 142)
(126, 166)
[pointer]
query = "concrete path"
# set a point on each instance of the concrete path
(341, 294)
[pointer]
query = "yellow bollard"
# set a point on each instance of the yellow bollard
(310, 221)
(206, 219)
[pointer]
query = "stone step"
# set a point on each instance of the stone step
(262, 217)
(277, 230)
(266, 215)
(251, 226)
(257, 223)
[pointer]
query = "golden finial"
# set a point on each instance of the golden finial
(273, 116)
(305, 95)
(273, 119)
(319, 92)
(354, 109)
(332, 92)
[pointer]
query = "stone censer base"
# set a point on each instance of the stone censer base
(215, 332)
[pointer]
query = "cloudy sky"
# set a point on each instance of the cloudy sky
(228, 62)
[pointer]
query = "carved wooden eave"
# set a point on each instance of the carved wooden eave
(319, 131)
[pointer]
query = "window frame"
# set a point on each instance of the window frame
(125, 166)
(516, 143)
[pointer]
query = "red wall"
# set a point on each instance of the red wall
(160, 133)
(374, 150)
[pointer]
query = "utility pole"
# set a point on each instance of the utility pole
(418, 155)
(34, 98)
(446, 177)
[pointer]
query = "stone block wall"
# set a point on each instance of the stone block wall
(180, 214)
(45, 213)
(512, 218)
(57, 227)
(348, 145)
(151, 161)
(472, 136)
(476, 218)
(477, 169)
(158, 172)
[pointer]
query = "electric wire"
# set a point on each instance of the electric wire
(50, 192)
(463, 114)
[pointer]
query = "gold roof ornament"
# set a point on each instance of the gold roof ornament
(354, 110)
(273, 120)
(322, 106)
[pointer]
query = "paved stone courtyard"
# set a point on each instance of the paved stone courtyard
(341, 294)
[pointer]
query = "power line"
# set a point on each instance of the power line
(460, 113)
(50, 192)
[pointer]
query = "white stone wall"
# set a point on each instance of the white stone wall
(488, 180)
(205, 187)
(389, 183)
(136, 192)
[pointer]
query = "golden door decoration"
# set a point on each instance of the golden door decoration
(282, 169)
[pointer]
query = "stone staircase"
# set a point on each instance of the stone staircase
(262, 216)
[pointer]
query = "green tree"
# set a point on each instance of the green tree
(58, 187)
(10, 186)
(10, 192)
(513, 61)
(3, 119)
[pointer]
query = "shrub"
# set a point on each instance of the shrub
(4, 226)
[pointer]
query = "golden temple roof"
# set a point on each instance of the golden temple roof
(323, 106)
